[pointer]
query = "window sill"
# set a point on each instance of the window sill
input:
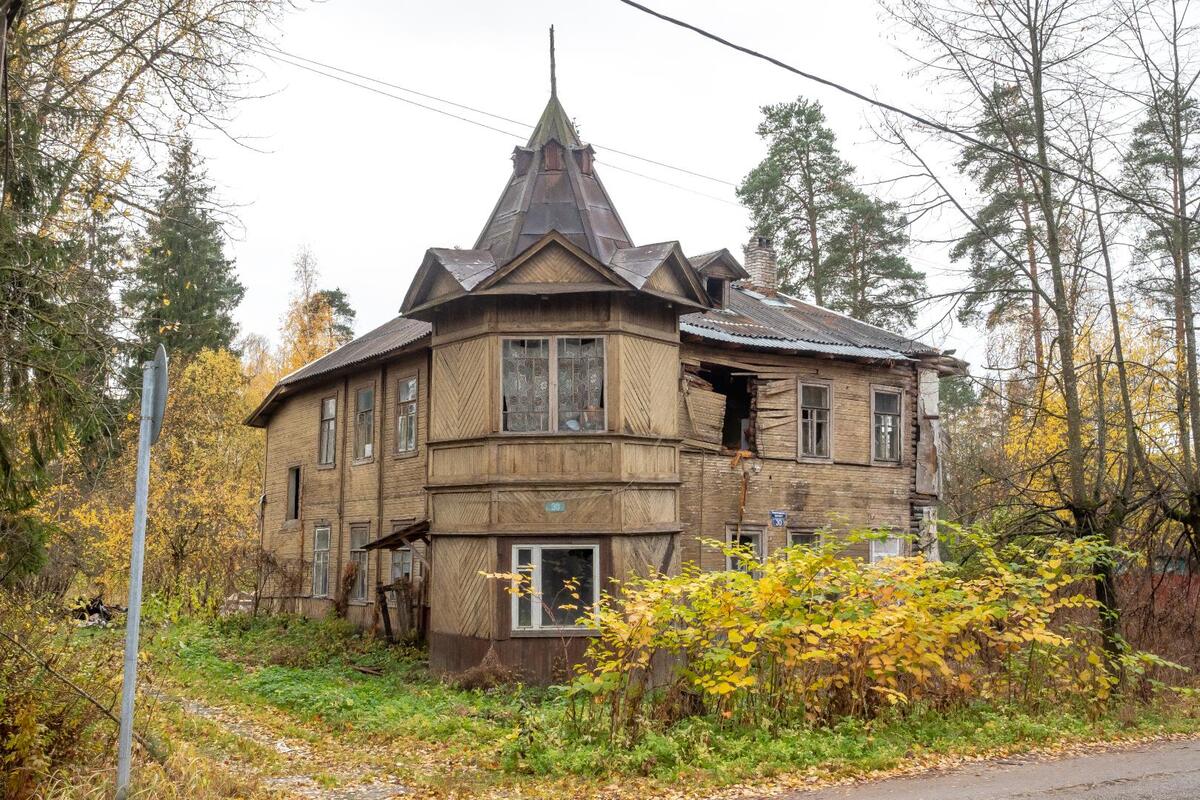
(518, 434)
(407, 454)
(815, 459)
(893, 464)
(326, 466)
(358, 462)
(552, 633)
(290, 525)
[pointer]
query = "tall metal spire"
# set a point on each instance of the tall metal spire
(553, 79)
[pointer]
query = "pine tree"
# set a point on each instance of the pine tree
(317, 320)
(183, 290)
(836, 244)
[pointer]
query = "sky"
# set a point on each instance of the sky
(368, 182)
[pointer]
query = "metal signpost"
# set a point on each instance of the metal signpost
(154, 401)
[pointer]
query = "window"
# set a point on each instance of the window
(718, 291)
(814, 420)
(799, 537)
(320, 584)
(748, 536)
(557, 573)
(569, 368)
(292, 511)
(404, 566)
(885, 406)
(327, 434)
(888, 547)
(364, 422)
(406, 415)
(358, 556)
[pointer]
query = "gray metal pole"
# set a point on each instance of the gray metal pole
(134, 615)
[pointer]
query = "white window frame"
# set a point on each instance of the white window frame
(536, 625)
(321, 428)
(321, 560)
(552, 385)
(878, 553)
(828, 387)
(414, 563)
(361, 557)
(415, 403)
(899, 393)
(732, 531)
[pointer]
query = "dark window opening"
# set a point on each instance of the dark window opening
(293, 493)
(737, 432)
(718, 289)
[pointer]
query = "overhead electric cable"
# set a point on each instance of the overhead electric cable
(513, 134)
(473, 109)
(911, 115)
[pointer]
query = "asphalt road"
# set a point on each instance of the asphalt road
(1165, 771)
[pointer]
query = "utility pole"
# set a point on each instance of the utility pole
(154, 400)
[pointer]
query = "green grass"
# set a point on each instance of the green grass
(295, 676)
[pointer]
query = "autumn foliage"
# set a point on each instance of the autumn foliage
(813, 635)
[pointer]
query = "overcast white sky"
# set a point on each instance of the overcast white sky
(368, 182)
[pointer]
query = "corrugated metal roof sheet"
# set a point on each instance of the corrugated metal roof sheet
(387, 338)
(786, 323)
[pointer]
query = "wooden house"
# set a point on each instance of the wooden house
(561, 403)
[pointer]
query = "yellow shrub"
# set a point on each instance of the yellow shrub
(811, 634)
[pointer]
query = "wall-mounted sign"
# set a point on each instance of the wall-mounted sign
(556, 506)
(778, 518)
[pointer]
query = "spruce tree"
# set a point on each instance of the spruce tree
(183, 290)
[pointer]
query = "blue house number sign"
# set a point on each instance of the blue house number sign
(778, 519)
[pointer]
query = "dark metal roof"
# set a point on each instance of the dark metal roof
(388, 338)
(556, 192)
(637, 264)
(468, 267)
(703, 262)
(785, 323)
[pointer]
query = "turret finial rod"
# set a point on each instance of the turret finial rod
(553, 79)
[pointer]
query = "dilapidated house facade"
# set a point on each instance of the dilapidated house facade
(559, 402)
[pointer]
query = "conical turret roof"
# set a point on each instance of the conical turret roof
(554, 187)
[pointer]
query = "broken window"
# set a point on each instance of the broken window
(718, 406)
(745, 536)
(718, 291)
(526, 385)
(738, 433)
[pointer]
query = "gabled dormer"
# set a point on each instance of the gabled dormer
(718, 270)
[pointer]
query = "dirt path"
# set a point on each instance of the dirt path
(302, 771)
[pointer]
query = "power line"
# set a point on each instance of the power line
(484, 125)
(930, 123)
(463, 106)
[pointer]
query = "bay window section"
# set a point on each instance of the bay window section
(559, 587)
(553, 385)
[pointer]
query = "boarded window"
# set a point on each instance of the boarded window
(814, 420)
(320, 576)
(406, 415)
(364, 422)
(292, 511)
(886, 411)
(526, 385)
(580, 384)
(359, 535)
(327, 433)
(561, 592)
(745, 536)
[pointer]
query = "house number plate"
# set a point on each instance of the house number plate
(556, 506)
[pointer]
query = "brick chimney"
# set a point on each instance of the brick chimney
(760, 262)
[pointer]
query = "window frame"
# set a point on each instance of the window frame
(292, 507)
(321, 425)
(732, 530)
(536, 627)
(898, 391)
(415, 377)
(414, 563)
(875, 557)
(829, 422)
(552, 385)
(818, 538)
(364, 572)
(370, 441)
(325, 526)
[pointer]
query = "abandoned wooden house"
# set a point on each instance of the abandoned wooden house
(559, 401)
